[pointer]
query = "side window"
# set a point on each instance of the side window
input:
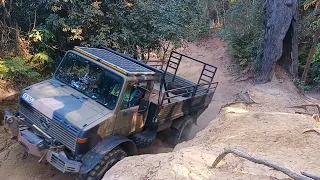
(132, 96)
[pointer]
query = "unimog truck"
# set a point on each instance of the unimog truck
(101, 105)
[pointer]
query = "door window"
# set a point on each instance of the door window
(132, 96)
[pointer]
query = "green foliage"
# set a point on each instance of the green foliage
(316, 57)
(314, 75)
(16, 68)
(49, 27)
(39, 61)
(244, 30)
(309, 24)
(122, 25)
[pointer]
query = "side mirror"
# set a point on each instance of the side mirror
(143, 107)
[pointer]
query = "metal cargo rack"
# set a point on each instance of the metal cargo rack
(204, 85)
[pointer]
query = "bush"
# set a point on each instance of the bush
(16, 69)
(314, 75)
(244, 30)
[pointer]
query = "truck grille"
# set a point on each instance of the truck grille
(55, 130)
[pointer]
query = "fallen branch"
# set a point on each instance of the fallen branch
(309, 114)
(243, 78)
(311, 176)
(312, 130)
(289, 172)
(238, 102)
(307, 105)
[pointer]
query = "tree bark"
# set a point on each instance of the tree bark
(280, 38)
(312, 51)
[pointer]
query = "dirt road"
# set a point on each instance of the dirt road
(212, 50)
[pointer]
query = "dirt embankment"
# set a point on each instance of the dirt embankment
(268, 129)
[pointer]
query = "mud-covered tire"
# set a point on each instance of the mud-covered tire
(181, 134)
(144, 138)
(106, 163)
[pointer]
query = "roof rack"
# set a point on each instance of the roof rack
(133, 60)
(117, 61)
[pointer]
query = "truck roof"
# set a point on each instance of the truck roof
(117, 61)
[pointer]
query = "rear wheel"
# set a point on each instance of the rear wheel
(106, 163)
(182, 133)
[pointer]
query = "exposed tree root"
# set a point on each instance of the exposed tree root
(289, 172)
(242, 97)
(307, 105)
(312, 130)
(237, 102)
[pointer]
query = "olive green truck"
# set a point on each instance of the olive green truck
(101, 105)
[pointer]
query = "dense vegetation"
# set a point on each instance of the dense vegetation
(34, 34)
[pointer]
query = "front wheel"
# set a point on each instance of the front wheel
(106, 163)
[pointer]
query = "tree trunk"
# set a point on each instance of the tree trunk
(280, 43)
(312, 51)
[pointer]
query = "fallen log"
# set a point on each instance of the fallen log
(292, 174)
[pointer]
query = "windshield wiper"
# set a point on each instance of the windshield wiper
(80, 97)
(56, 84)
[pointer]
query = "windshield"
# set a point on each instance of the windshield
(90, 79)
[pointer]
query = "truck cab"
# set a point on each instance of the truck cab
(96, 110)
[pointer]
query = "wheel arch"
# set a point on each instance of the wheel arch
(92, 158)
(129, 147)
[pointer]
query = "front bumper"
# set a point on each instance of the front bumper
(36, 145)
(60, 161)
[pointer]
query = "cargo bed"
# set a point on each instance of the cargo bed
(175, 96)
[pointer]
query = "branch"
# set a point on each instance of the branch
(289, 172)
(311, 176)
(307, 105)
(35, 19)
(312, 130)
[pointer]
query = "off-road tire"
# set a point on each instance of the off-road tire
(144, 138)
(181, 134)
(106, 163)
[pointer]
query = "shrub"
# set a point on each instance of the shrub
(244, 30)
(16, 69)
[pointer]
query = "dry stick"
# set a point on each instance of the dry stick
(312, 130)
(290, 173)
(305, 106)
(309, 114)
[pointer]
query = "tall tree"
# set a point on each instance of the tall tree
(280, 45)
(316, 37)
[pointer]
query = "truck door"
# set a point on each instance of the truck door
(130, 118)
